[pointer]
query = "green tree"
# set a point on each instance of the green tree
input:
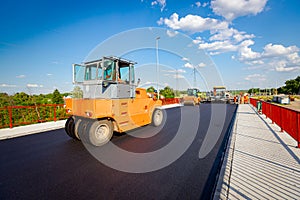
(291, 86)
(253, 91)
(5, 100)
(57, 97)
(77, 92)
(167, 92)
(22, 99)
(150, 89)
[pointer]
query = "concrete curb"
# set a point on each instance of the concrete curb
(221, 191)
(171, 106)
(8, 133)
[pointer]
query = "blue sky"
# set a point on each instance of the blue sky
(253, 43)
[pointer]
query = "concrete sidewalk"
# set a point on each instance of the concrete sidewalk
(260, 162)
(7, 133)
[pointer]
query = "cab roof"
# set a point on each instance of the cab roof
(113, 58)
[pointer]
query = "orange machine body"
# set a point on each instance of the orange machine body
(126, 114)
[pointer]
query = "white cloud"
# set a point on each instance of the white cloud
(231, 33)
(218, 47)
(49, 74)
(205, 4)
(240, 36)
(192, 23)
(178, 76)
(161, 3)
(255, 77)
(30, 85)
(273, 57)
(7, 85)
(175, 75)
(223, 38)
(246, 53)
(198, 40)
(271, 50)
(286, 69)
(172, 33)
(198, 4)
(236, 8)
(21, 76)
(148, 82)
(184, 59)
(201, 64)
(175, 71)
(181, 71)
(189, 65)
(153, 3)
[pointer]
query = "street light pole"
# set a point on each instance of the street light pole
(157, 67)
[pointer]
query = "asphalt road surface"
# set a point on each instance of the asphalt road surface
(51, 165)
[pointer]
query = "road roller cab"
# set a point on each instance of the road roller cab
(219, 95)
(110, 101)
(192, 97)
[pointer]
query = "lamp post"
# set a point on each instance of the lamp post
(157, 67)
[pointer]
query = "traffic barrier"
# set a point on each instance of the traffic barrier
(287, 119)
(11, 116)
(168, 101)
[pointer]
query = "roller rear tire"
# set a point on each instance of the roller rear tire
(100, 132)
(70, 127)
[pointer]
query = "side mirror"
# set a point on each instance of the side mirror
(139, 81)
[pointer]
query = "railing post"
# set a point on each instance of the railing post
(10, 116)
(272, 117)
(280, 114)
(298, 128)
(267, 110)
(55, 112)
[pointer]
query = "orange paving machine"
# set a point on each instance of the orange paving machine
(111, 101)
(192, 97)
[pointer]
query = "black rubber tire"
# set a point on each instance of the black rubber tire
(158, 117)
(70, 127)
(82, 127)
(100, 132)
(77, 125)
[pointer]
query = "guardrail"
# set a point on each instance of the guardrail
(287, 119)
(167, 101)
(11, 116)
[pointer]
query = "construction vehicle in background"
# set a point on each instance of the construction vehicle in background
(219, 95)
(192, 97)
(111, 101)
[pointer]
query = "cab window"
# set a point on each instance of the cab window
(109, 70)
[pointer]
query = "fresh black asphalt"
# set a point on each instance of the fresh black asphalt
(51, 165)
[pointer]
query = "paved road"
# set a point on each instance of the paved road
(50, 165)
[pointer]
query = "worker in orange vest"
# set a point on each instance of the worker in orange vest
(246, 99)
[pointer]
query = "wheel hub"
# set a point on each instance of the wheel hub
(102, 131)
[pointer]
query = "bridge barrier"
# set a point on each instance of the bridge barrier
(168, 101)
(287, 119)
(11, 116)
